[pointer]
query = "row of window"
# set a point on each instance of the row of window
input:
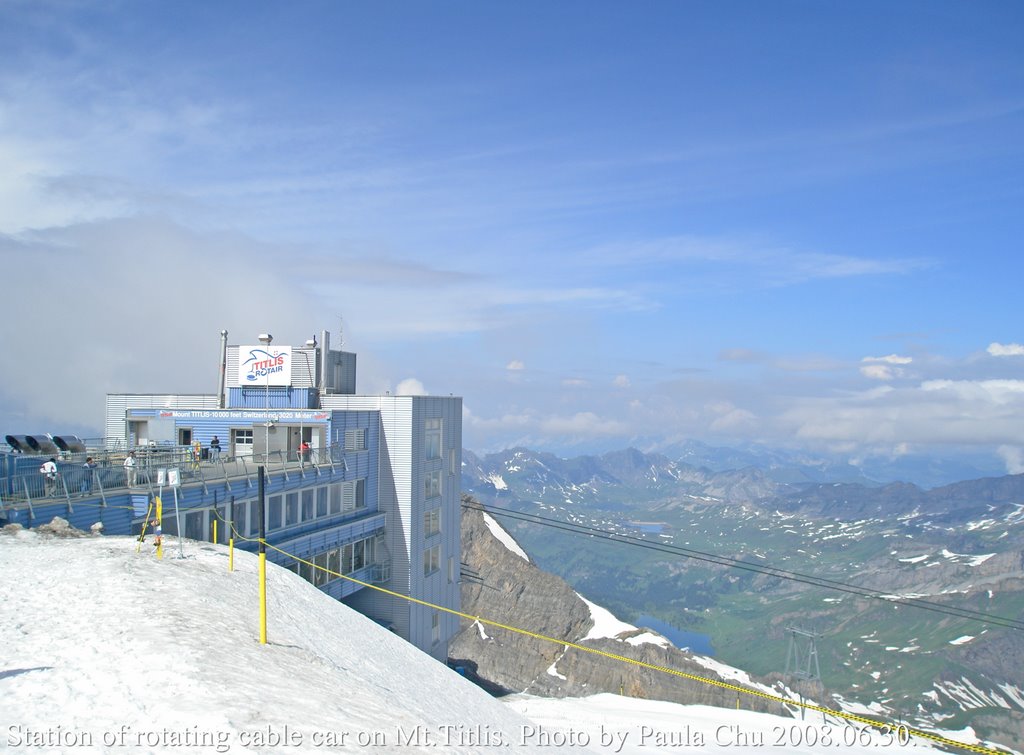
(297, 506)
(346, 559)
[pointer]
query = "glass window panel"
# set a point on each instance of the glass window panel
(254, 518)
(291, 509)
(320, 576)
(308, 505)
(239, 510)
(194, 525)
(274, 512)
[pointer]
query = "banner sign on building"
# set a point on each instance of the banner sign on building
(259, 365)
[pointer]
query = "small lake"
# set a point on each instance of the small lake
(695, 641)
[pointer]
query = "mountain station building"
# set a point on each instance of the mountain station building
(365, 486)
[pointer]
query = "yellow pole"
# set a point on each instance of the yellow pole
(231, 554)
(261, 487)
(159, 528)
(142, 535)
(215, 530)
(263, 598)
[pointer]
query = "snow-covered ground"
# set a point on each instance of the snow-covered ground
(103, 649)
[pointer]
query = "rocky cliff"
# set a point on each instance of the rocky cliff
(503, 586)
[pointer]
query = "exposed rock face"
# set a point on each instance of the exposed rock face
(514, 592)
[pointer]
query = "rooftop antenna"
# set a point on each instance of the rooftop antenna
(341, 333)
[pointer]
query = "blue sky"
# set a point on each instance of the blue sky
(793, 223)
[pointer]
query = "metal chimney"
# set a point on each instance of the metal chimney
(221, 388)
(325, 349)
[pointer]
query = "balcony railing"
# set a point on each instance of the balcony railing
(110, 476)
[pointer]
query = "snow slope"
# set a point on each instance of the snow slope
(164, 656)
(103, 649)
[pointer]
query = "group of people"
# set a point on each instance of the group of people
(51, 477)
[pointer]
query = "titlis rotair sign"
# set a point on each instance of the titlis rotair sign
(263, 365)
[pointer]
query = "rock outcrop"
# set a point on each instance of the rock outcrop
(506, 588)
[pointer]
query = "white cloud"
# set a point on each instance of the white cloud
(574, 382)
(882, 368)
(510, 421)
(1013, 456)
(890, 359)
(878, 372)
(732, 419)
(101, 321)
(515, 364)
(981, 412)
(410, 387)
(585, 424)
(621, 381)
(1006, 349)
(759, 262)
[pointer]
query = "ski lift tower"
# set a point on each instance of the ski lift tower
(802, 658)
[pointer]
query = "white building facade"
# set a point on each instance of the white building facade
(368, 485)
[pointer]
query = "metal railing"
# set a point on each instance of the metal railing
(109, 474)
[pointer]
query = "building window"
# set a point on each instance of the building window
(432, 522)
(254, 517)
(291, 509)
(321, 501)
(435, 628)
(238, 518)
(451, 570)
(308, 504)
(241, 441)
(432, 441)
(355, 440)
(194, 525)
(431, 560)
(336, 491)
(274, 512)
(432, 487)
(353, 495)
(451, 461)
(320, 576)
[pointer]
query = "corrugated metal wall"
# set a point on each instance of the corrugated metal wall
(402, 496)
(115, 429)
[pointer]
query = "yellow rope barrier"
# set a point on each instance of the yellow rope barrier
(881, 725)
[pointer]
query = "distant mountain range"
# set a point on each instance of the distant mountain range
(789, 466)
(631, 479)
(958, 546)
